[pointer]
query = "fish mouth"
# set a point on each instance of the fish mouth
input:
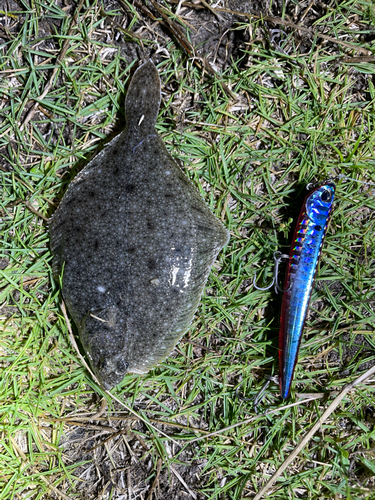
(103, 344)
(110, 371)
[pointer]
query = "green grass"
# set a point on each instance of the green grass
(294, 118)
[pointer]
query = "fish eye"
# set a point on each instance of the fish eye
(122, 366)
(326, 195)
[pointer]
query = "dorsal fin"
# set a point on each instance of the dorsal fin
(142, 101)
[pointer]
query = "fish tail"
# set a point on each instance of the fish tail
(142, 101)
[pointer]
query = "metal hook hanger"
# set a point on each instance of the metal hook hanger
(277, 257)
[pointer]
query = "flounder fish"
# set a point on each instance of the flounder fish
(136, 242)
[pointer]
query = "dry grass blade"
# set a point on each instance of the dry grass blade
(289, 24)
(331, 408)
(212, 9)
(60, 58)
(282, 22)
(111, 396)
(175, 30)
(250, 153)
(191, 493)
(36, 212)
(44, 479)
(177, 33)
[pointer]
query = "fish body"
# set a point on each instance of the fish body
(136, 242)
(303, 260)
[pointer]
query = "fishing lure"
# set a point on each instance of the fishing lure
(301, 268)
(302, 261)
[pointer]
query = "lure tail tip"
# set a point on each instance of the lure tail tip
(284, 390)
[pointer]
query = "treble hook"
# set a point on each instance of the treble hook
(259, 396)
(277, 257)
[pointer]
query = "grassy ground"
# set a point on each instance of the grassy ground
(254, 117)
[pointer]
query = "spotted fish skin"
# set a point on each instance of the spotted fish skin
(136, 242)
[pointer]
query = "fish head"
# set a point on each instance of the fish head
(110, 371)
(319, 203)
(103, 341)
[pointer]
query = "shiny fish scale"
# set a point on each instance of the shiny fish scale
(304, 255)
(136, 242)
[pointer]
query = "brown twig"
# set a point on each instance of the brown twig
(129, 33)
(35, 211)
(284, 22)
(125, 8)
(145, 10)
(60, 58)
(175, 30)
(102, 443)
(289, 24)
(331, 408)
(181, 39)
(359, 59)
(214, 11)
(155, 482)
(75, 419)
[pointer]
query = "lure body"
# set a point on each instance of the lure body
(303, 260)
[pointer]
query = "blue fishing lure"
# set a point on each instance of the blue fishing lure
(303, 260)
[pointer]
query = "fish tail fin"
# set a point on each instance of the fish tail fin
(142, 101)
